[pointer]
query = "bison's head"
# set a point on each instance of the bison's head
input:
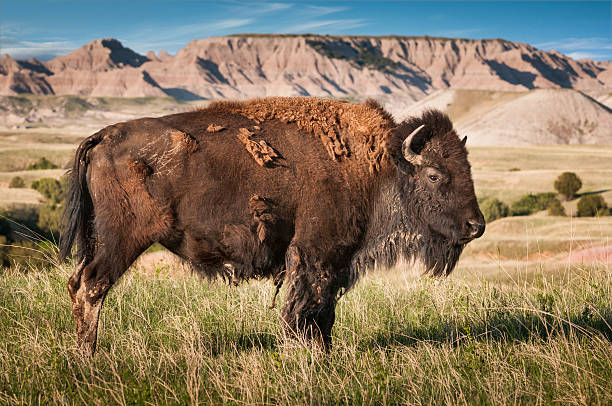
(439, 190)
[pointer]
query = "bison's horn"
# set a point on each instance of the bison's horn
(464, 140)
(409, 154)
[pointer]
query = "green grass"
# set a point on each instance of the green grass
(539, 167)
(168, 337)
(17, 159)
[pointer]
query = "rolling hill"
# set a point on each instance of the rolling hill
(536, 117)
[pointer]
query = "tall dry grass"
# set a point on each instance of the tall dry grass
(531, 336)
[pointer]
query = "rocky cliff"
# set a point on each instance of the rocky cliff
(260, 65)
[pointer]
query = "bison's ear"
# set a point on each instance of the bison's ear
(464, 140)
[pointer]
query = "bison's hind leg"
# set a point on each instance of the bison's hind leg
(90, 283)
(309, 311)
(126, 221)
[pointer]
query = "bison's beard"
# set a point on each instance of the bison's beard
(439, 254)
(398, 232)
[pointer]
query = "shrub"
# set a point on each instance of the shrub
(567, 184)
(532, 203)
(18, 219)
(5, 225)
(49, 215)
(494, 209)
(555, 208)
(49, 188)
(592, 205)
(21, 235)
(50, 218)
(42, 163)
(514, 169)
(19, 222)
(17, 182)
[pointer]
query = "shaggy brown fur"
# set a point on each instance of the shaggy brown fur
(342, 127)
(344, 199)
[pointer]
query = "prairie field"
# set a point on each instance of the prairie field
(527, 333)
(526, 318)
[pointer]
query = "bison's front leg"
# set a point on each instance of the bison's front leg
(309, 311)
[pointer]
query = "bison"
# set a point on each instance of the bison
(309, 192)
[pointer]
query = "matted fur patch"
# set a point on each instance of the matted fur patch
(183, 142)
(212, 128)
(261, 151)
(140, 169)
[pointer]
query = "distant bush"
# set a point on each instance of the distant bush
(18, 223)
(18, 219)
(494, 209)
(25, 232)
(50, 188)
(19, 104)
(592, 205)
(567, 184)
(50, 214)
(74, 104)
(18, 237)
(16, 182)
(556, 208)
(50, 218)
(42, 163)
(532, 203)
(514, 169)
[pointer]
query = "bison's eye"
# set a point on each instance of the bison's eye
(434, 175)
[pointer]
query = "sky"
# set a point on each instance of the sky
(45, 29)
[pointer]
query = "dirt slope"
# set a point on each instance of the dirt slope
(542, 116)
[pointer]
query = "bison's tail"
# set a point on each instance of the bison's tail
(77, 221)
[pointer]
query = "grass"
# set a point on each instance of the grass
(18, 150)
(168, 337)
(539, 167)
(12, 196)
(524, 237)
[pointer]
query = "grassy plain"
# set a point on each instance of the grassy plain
(528, 334)
(539, 166)
(520, 321)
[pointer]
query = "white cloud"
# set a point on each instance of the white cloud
(258, 8)
(318, 11)
(192, 31)
(230, 23)
(588, 55)
(581, 48)
(43, 50)
(577, 44)
(335, 26)
(458, 33)
(177, 37)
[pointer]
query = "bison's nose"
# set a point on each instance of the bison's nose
(476, 229)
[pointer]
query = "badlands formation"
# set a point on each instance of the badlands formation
(499, 92)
